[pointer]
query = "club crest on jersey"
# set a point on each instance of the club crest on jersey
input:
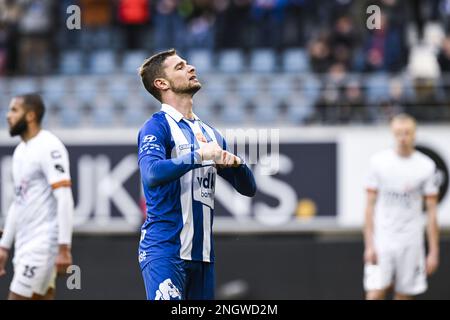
(149, 138)
(200, 137)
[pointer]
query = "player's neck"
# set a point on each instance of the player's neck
(183, 104)
(30, 133)
(405, 152)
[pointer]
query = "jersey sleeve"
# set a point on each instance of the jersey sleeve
(153, 140)
(55, 165)
(372, 182)
(431, 185)
(155, 164)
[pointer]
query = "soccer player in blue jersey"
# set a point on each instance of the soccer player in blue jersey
(179, 157)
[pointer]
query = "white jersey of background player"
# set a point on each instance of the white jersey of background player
(399, 180)
(40, 218)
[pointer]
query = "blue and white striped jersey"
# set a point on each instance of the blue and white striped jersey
(179, 188)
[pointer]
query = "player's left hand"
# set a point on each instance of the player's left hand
(228, 160)
(3, 258)
(64, 259)
(432, 263)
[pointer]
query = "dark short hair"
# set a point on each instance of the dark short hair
(33, 102)
(152, 68)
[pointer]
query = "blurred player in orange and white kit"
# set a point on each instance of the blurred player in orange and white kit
(399, 181)
(39, 220)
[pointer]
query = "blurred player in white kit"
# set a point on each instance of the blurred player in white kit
(400, 180)
(39, 221)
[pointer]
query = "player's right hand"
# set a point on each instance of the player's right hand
(229, 160)
(370, 256)
(211, 151)
(63, 259)
(3, 258)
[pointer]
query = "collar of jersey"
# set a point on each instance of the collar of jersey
(32, 139)
(174, 113)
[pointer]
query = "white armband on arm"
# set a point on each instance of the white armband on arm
(65, 212)
(10, 229)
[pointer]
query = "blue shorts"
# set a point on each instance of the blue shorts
(177, 279)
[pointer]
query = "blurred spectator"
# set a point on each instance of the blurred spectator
(297, 21)
(96, 13)
(337, 43)
(325, 12)
(10, 12)
(35, 28)
(443, 9)
(425, 103)
(352, 107)
(268, 17)
(320, 54)
(96, 19)
(337, 74)
(169, 26)
(397, 95)
(423, 63)
(200, 31)
(327, 106)
(385, 48)
(396, 11)
(425, 90)
(221, 8)
(134, 15)
(423, 11)
(3, 47)
(394, 104)
(343, 40)
(67, 39)
(232, 27)
(444, 55)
